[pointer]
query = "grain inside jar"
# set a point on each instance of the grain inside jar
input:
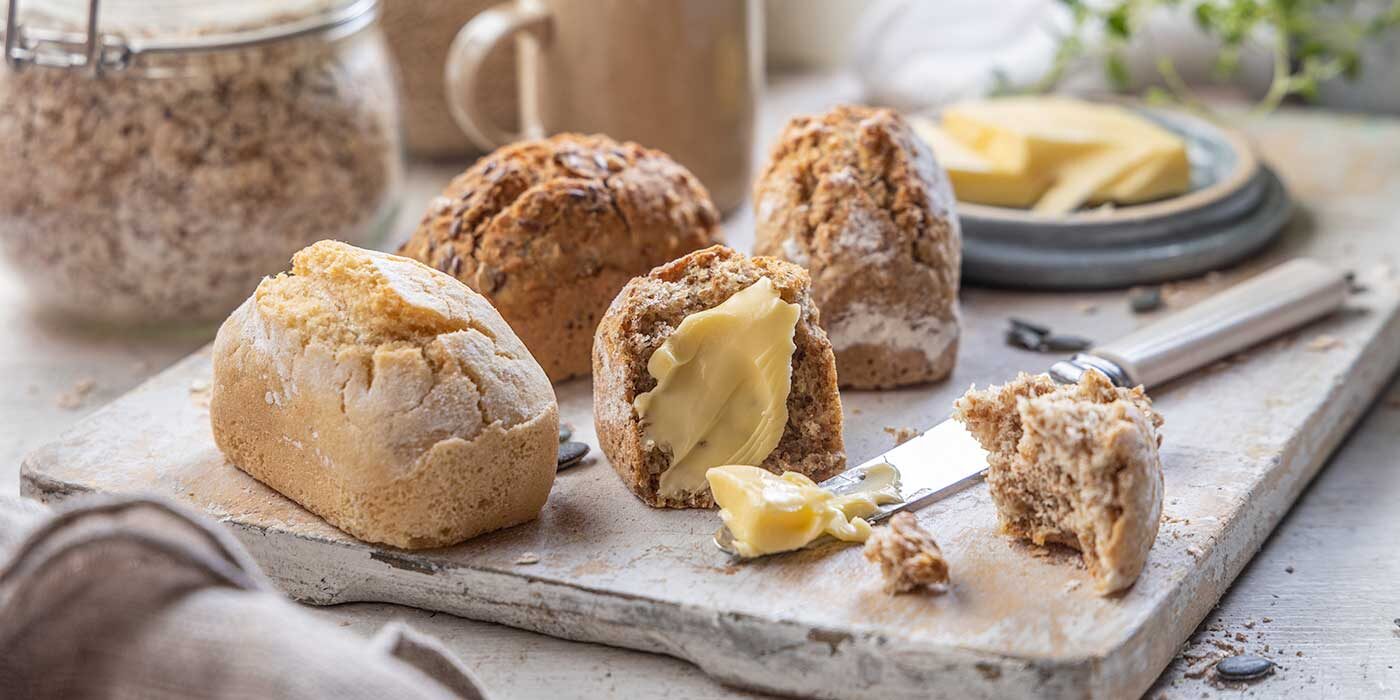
(163, 190)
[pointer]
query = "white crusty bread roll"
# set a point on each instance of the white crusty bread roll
(386, 397)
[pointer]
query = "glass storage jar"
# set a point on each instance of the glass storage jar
(160, 156)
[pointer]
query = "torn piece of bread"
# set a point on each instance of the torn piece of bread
(1076, 465)
(909, 559)
(387, 398)
(650, 310)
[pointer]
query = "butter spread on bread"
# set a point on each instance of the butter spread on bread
(722, 381)
(805, 406)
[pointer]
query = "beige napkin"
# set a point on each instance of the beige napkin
(139, 599)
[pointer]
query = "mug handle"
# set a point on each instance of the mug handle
(476, 40)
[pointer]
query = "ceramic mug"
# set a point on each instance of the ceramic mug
(679, 75)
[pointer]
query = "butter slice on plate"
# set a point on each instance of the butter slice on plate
(1093, 153)
(976, 178)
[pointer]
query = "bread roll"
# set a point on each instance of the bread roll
(1076, 465)
(858, 200)
(650, 309)
(550, 230)
(386, 397)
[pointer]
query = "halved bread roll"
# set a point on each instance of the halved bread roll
(779, 324)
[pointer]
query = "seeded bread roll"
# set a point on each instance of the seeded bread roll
(858, 200)
(648, 311)
(1075, 465)
(550, 230)
(385, 397)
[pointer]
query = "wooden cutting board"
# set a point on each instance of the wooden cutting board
(1242, 439)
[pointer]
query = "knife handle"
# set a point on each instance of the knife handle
(1283, 298)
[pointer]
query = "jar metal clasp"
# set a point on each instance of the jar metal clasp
(59, 49)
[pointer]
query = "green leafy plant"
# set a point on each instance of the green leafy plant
(1311, 41)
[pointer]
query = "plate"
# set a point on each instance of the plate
(1235, 206)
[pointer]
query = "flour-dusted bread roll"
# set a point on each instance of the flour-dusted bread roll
(765, 397)
(550, 230)
(387, 398)
(857, 199)
(1075, 465)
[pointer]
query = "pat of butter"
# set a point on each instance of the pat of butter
(1092, 152)
(976, 178)
(767, 513)
(722, 382)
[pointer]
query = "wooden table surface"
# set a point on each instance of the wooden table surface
(1320, 598)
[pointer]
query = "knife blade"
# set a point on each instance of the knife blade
(946, 459)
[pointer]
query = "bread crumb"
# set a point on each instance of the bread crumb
(1071, 586)
(527, 558)
(1194, 551)
(909, 559)
(1323, 343)
(1087, 307)
(77, 395)
(901, 435)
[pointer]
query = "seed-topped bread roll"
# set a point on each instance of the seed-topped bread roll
(714, 359)
(550, 230)
(1075, 465)
(853, 196)
(386, 397)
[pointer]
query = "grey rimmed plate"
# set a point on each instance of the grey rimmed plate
(1235, 207)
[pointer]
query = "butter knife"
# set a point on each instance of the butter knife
(946, 459)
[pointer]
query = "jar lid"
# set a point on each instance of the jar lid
(116, 32)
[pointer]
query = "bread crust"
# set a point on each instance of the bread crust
(1074, 465)
(550, 230)
(385, 397)
(857, 199)
(650, 308)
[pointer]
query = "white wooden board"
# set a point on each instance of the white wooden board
(1242, 439)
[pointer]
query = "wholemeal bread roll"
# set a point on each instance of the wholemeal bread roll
(858, 200)
(650, 309)
(385, 397)
(550, 230)
(1076, 465)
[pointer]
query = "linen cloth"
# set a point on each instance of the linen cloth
(137, 598)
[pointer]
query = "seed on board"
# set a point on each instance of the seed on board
(527, 559)
(571, 453)
(566, 431)
(1024, 338)
(1064, 343)
(1243, 667)
(1145, 299)
(1035, 328)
